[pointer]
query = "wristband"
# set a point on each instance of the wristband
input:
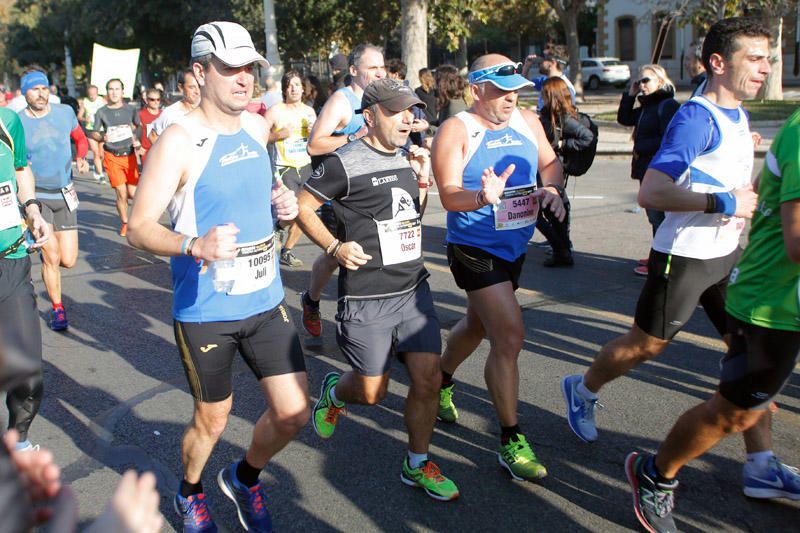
(480, 200)
(422, 184)
(725, 203)
(33, 201)
(561, 191)
(191, 245)
(336, 250)
(331, 246)
(711, 203)
(184, 244)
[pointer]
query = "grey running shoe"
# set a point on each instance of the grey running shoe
(653, 501)
(288, 259)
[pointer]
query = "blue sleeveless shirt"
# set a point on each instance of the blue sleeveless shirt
(356, 119)
(498, 149)
(230, 182)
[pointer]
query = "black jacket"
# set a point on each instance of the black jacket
(650, 121)
(576, 136)
(431, 111)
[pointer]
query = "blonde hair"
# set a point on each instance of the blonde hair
(661, 74)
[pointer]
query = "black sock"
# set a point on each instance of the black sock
(507, 432)
(190, 489)
(447, 379)
(311, 303)
(246, 474)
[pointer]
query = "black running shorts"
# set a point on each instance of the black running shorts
(758, 364)
(294, 178)
(267, 341)
(56, 212)
(474, 268)
(674, 287)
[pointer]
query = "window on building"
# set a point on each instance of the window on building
(668, 52)
(626, 38)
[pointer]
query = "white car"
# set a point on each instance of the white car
(604, 70)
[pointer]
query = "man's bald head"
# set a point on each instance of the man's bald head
(488, 60)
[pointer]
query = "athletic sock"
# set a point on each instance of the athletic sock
(309, 302)
(334, 399)
(189, 489)
(246, 474)
(760, 459)
(447, 379)
(652, 470)
(507, 432)
(415, 460)
(586, 393)
(58, 306)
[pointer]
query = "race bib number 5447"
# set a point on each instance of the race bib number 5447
(518, 208)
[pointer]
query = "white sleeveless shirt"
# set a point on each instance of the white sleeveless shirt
(727, 167)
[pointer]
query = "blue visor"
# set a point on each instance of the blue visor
(506, 76)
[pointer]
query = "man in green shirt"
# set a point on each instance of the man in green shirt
(764, 322)
(19, 320)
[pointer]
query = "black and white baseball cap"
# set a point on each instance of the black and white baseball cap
(228, 41)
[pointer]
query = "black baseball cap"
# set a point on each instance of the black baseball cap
(391, 94)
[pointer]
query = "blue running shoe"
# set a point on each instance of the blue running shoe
(580, 411)
(194, 511)
(251, 502)
(776, 481)
(58, 321)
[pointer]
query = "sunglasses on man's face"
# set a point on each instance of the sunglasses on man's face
(644, 80)
(503, 70)
(154, 99)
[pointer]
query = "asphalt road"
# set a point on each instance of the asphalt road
(116, 396)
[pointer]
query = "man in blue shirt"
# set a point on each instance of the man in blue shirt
(49, 131)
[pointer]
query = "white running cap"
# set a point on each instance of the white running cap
(228, 41)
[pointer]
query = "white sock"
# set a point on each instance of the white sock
(583, 391)
(416, 459)
(759, 459)
(335, 400)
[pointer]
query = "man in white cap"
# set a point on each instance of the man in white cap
(211, 171)
(490, 220)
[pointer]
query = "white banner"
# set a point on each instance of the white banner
(108, 63)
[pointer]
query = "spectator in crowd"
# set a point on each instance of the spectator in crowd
(655, 93)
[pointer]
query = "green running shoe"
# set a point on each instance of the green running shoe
(447, 409)
(326, 413)
(520, 461)
(429, 477)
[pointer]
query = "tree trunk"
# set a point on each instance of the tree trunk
(461, 55)
(773, 87)
(569, 19)
(414, 40)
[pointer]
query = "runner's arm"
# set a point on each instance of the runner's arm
(790, 220)
(168, 163)
(447, 162)
(26, 190)
(81, 144)
(310, 223)
(321, 140)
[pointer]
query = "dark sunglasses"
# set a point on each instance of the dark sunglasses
(644, 80)
(154, 99)
(504, 70)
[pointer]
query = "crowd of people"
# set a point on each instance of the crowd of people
(243, 178)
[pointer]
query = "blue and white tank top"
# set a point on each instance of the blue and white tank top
(230, 181)
(356, 119)
(723, 168)
(503, 231)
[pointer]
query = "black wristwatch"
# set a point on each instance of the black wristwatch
(561, 191)
(352, 137)
(34, 201)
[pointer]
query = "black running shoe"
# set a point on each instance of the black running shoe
(653, 501)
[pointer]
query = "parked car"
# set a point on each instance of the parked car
(604, 70)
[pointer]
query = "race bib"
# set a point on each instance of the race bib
(295, 146)
(70, 197)
(400, 240)
(116, 134)
(254, 266)
(518, 208)
(9, 210)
